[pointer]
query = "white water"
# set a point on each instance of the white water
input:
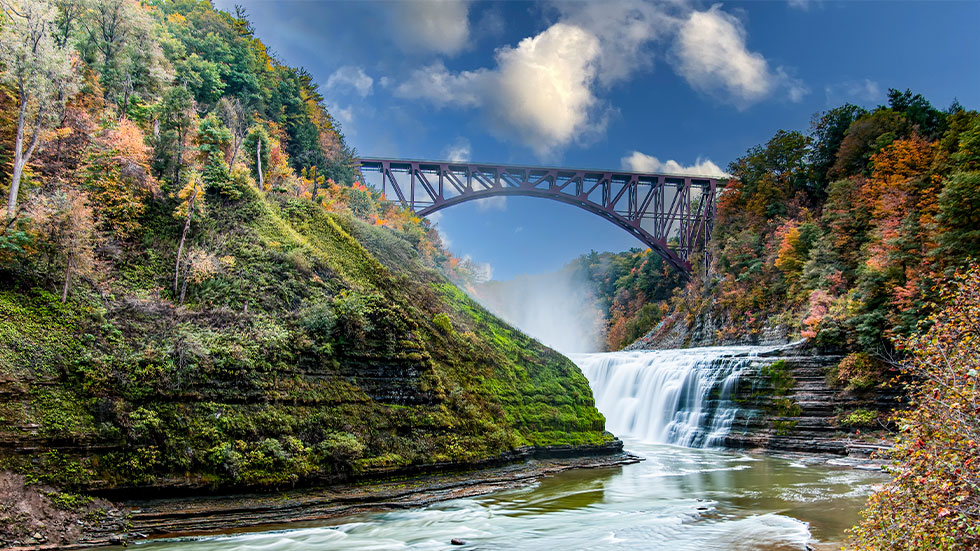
(679, 498)
(681, 397)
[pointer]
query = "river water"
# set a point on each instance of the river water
(680, 498)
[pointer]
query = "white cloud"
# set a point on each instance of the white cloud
(545, 91)
(343, 114)
(641, 162)
(350, 76)
(540, 92)
(435, 84)
(432, 26)
(865, 90)
(491, 203)
(712, 56)
(625, 30)
(799, 4)
(458, 151)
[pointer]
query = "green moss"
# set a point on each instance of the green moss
(324, 349)
(859, 418)
(779, 376)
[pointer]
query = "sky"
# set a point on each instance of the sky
(676, 86)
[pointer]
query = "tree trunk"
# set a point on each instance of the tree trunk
(21, 157)
(258, 163)
(234, 150)
(183, 237)
(183, 291)
(18, 156)
(64, 291)
(180, 158)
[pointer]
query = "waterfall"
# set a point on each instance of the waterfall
(682, 397)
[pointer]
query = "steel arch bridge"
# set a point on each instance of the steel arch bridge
(673, 215)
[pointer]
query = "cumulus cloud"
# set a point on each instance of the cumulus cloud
(545, 92)
(540, 91)
(641, 162)
(711, 54)
(432, 26)
(865, 90)
(435, 84)
(351, 77)
(625, 30)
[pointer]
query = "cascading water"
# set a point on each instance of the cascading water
(681, 397)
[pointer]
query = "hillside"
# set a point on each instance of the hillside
(197, 293)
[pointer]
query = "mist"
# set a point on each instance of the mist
(558, 308)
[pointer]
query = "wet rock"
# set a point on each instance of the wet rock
(457, 541)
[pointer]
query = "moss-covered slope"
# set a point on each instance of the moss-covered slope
(320, 348)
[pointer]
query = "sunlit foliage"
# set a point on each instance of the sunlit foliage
(933, 501)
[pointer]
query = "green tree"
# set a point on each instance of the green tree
(827, 132)
(175, 116)
(959, 218)
(39, 71)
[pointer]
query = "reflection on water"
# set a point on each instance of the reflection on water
(678, 499)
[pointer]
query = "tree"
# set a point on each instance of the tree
(120, 33)
(235, 117)
(64, 223)
(257, 146)
(213, 141)
(959, 218)
(925, 118)
(933, 499)
(176, 118)
(827, 131)
(188, 197)
(39, 71)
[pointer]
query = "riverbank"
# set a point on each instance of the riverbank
(683, 499)
(44, 525)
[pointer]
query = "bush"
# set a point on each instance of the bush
(443, 322)
(857, 371)
(859, 418)
(933, 501)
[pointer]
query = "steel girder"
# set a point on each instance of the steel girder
(673, 215)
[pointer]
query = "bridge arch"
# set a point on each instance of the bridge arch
(673, 215)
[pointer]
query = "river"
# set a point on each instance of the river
(680, 498)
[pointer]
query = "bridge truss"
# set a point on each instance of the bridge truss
(672, 215)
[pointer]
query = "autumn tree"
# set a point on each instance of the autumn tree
(190, 199)
(39, 71)
(63, 222)
(932, 502)
(235, 116)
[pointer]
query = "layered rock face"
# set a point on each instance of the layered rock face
(788, 405)
(328, 351)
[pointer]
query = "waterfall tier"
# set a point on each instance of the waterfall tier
(681, 397)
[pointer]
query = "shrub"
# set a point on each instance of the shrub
(859, 418)
(443, 322)
(933, 501)
(858, 371)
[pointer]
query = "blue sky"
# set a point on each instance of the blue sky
(623, 84)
